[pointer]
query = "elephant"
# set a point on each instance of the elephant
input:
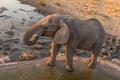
(70, 32)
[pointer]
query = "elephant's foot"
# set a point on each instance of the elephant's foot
(92, 64)
(69, 69)
(50, 62)
(89, 60)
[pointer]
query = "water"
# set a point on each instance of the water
(14, 20)
(17, 13)
(38, 70)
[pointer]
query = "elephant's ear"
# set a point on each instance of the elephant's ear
(62, 34)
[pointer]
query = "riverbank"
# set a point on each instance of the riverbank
(106, 11)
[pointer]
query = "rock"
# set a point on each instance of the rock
(2, 9)
(4, 58)
(11, 26)
(104, 52)
(23, 10)
(27, 56)
(40, 46)
(31, 17)
(6, 16)
(110, 47)
(11, 33)
(116, 61)
(7, 59)
(22, 21)
(7, 48)
(33, 38)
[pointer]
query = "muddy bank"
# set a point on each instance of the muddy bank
(38, 70)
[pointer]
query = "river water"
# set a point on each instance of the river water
(38, 70)
(15, 18)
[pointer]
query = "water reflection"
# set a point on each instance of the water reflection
(17, 13)
(15, 18)
(37, 70)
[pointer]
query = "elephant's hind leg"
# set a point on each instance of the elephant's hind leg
(93, 60)
(95, 52)
(54, 51)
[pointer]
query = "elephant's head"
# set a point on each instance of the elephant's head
(50, 26)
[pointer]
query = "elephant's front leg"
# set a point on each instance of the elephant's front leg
(69, 56)
(54, 51)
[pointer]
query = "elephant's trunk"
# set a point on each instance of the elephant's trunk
(35, 29)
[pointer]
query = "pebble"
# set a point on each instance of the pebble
(27, 56)
(40, 46)
(4, 58)
(2, 9)
(11, 25)
(116, 61)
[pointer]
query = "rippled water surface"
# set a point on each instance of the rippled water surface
(15, 18)
(38, 70)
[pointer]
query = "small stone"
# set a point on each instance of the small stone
(2, 60)
(33, 38)
(9, 33)
(22, 21)
(31, 17)
(7, 48)
(7, 59)
(2, 9)
(61, 54)
(11, 26)
(27, 56)
(116, 61)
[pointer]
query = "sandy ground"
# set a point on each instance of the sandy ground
(106, 11)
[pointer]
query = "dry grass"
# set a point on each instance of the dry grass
(57, 3)
(41, 2)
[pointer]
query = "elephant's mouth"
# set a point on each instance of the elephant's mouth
(35, 37)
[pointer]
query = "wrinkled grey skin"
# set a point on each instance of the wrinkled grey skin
(71, 33)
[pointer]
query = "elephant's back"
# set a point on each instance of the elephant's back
(92, 25)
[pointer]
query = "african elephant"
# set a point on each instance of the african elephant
(70, 32)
